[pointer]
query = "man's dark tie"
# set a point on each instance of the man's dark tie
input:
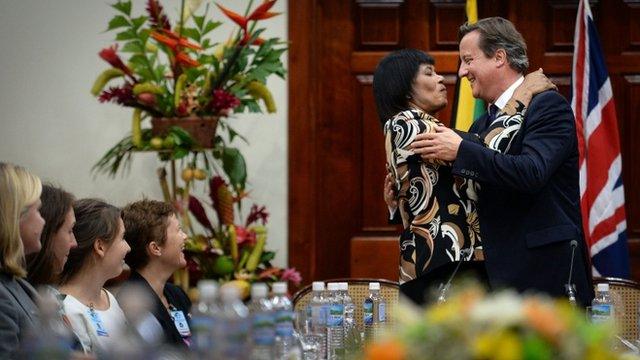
(493, 113)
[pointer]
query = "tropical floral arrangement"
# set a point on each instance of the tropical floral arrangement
(182, 73)
(231, 252)
(184, 87)
(504, 325)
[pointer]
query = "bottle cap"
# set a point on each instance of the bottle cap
(333, 286)
(603, 287)
(280, 288)
(317, 286)
(374, 286)
(229, 293)
(207, 289)
(259, 290)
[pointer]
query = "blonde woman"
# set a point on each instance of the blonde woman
(20, 229)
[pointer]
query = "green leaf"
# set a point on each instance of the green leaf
(182, 136)
(139, 21)
(126, 35)
(191, 33)
(132, 47)
(179, 153)
(210, 26)
(235, 167)
(118, 22)
(233, 134)
(199, 20)
(123, 6)
(267, 256)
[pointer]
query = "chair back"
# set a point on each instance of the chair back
(625, 295)
(358, 290)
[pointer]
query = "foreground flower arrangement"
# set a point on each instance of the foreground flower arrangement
(184, 87)
(473, 325)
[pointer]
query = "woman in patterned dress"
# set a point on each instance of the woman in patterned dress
(438, 210)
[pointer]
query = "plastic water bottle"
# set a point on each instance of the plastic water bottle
(318, 309)
(234, 330)
(602, 308)
(203, 319)
(286, 345)
(349, 306)
(335, 323)
(262, 323)
(374, 310)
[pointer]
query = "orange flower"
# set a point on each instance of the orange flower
(385, 350)
(185, 60)
(235, 17)
(262, 11)
(544, 319)
(173, 40)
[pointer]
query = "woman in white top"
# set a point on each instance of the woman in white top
(94, 312)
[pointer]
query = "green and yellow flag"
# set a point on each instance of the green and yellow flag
(466, 109)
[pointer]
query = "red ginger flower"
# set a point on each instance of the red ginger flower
(257, 213)
(222, 100)
(156, 15)
(109, 54)
(119, 95)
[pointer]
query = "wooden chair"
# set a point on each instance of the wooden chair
(358, 290)
(625, 295)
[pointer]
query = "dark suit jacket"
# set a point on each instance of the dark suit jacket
(18, 313)
(529, 202)
(175, 296)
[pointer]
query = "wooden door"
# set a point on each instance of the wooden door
(337, 218)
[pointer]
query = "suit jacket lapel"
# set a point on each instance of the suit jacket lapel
(26, 299)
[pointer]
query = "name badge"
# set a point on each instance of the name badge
(180, 322)
(96, 320)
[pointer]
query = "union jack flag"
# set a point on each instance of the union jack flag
(601, 190)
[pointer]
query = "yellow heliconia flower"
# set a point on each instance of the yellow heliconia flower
(190, 6)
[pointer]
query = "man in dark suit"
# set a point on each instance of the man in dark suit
(529, 201)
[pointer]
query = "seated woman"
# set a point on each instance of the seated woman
(93, 311)
(157, 242)
(57, 237)
(438, 210)
(20, 228)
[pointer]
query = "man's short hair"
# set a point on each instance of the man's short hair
(499, 33)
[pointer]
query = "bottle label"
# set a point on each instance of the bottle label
(203, 328)
(318, 315)
(382, 316)
(601, 312)
(336, 315)
(262, 330)
(236, 333)
(284, 323)
(368, 312)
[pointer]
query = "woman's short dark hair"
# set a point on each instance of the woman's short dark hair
(95, 219)
(56, 204)
(393, 80)
(145, 221)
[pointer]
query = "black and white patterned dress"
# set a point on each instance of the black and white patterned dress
(438, 210)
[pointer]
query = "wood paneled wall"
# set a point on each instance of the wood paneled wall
(337, 218)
